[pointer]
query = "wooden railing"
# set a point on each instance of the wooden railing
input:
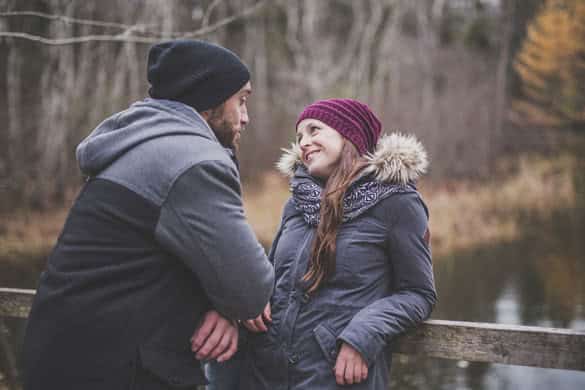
(469, 341)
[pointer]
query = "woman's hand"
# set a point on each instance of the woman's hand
(350, 366)
(259, 324)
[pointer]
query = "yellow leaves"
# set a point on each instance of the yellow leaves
(551, 63)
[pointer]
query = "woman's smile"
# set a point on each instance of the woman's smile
(310, 155)
(320, 145)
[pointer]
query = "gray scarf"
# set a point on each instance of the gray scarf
(360, 196)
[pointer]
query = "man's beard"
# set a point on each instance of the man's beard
(223, 130)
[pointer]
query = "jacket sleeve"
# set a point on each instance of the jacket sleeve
(413, 297)
(202, 222)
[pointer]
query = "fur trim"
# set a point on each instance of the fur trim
(287, 164)
(398, 159)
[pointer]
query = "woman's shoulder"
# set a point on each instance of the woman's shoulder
(391, 171)
(402, 204)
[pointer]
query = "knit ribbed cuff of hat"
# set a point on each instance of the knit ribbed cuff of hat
(338, 124)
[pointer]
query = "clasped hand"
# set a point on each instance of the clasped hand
(260, 323)
(216, 338)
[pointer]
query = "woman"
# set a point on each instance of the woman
(352, 260)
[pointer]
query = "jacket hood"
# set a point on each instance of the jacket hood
(141, 122)
(398, 159)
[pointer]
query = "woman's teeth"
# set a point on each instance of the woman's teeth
(310, 155)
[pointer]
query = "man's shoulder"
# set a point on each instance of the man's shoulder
(152, 168)
(186, 150)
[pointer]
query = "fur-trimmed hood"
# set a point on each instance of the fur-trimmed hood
(398, 159)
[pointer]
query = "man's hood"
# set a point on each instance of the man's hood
(398, 159)
(141, 122)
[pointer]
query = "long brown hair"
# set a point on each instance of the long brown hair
(322, 262)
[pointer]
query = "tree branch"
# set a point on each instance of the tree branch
(126, 36)
(208, 12)
(81, 39)
(67, 19)
(216, 26)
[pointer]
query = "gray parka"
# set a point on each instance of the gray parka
(383, 282)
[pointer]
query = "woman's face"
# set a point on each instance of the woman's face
(321, 147)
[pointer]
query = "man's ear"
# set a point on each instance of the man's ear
(206, 114)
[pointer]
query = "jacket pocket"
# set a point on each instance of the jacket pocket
(327, 342)
(176, 369)
(264, 364)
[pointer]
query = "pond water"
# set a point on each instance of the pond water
(538, 279)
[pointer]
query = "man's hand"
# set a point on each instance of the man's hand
(215, 338)
(350, 366)
(258, 324)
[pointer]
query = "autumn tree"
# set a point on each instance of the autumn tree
(551, 65)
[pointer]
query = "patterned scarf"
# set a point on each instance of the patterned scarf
(359, 197)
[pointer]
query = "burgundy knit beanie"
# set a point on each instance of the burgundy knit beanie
(352, 119)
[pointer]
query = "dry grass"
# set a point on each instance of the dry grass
(264, 202)
(463, 214)
(30, 234)
(467, 215)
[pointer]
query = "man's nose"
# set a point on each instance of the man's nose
(245, 118)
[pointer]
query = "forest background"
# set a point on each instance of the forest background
(494, 89)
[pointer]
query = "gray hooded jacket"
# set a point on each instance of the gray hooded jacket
(156, 237)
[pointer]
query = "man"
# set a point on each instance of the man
(156, 244)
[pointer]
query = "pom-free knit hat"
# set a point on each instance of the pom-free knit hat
(199, 74)
(352, 119)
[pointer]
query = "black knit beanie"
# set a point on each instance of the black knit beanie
(199, 74)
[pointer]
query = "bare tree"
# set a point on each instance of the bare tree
(80, 61)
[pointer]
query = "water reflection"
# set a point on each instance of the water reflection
(541, 275)
(537, 280)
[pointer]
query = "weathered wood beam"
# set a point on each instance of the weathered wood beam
(15, 302)
(496, 343)
(471, 341)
